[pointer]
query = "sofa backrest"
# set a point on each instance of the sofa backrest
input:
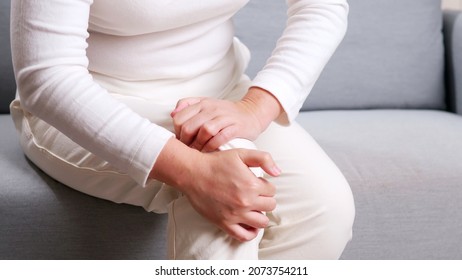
(391, 57)
(7, 84)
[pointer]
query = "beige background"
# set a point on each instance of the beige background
(452, 4)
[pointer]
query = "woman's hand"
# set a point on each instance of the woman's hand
(206, 123)
(220, 186)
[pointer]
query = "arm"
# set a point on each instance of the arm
(50, 63)
(314, 30)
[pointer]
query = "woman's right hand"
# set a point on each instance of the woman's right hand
(220, 186)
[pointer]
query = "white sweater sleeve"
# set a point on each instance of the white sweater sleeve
(50, 62)
(314, 30)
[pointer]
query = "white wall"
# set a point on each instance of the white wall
(452, 4)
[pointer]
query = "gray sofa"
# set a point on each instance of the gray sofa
(385, 110)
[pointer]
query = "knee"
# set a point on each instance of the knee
(319, 224)
(326, 215)
(337, 218)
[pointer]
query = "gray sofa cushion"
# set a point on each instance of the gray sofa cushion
(391, 57)
(7, 84)
(404, 168)
(43, 219)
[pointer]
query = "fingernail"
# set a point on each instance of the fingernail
(276, 170)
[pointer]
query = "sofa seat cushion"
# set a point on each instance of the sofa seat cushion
(405, 170)
(43, 219)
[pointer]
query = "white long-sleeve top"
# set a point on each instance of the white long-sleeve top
(71, 57)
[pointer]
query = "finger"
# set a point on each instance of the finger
(241, 233)
(183, 116)
(253, 158)
(191, 133)
(264, 203)
(185, 102)
(208, 132)
(222, 137)
(266, 189)
(255, 219)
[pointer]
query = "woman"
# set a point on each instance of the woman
(146, 102)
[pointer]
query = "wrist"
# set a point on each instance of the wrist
(176, 165)
(264, 106)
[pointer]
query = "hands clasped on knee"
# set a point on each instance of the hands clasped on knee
(219, 184)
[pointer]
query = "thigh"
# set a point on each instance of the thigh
(315, 210)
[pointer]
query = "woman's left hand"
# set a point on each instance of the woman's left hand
(206, 123)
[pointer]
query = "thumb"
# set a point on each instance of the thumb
(254, 158)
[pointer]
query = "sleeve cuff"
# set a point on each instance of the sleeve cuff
(147, 153)
(288, 97)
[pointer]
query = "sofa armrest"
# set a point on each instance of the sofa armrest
(452, 28)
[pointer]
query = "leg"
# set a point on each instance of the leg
(315, 210)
